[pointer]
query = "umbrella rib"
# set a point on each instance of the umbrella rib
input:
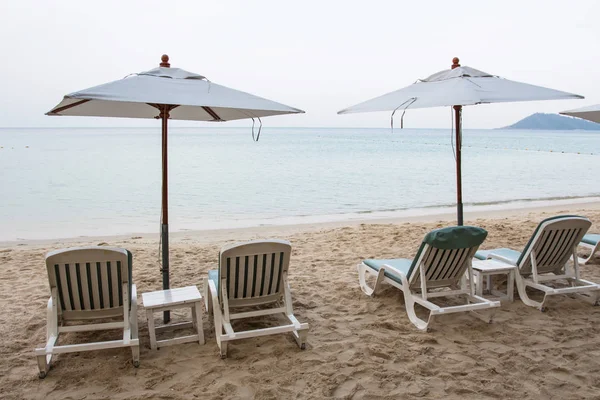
(63, 108)
(211, 112)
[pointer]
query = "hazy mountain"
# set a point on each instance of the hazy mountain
(554, 122)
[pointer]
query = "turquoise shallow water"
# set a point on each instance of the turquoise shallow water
(81, 181)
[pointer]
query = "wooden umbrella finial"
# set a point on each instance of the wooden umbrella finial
(455, 62)
(165, 61)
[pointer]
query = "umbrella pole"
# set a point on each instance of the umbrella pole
(164, 228)
(458, 119)
(459, 203)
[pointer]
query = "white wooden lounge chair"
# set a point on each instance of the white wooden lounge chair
(89, 283)
(545, 259)
(252, 274)
(443, 259)
(590, 241)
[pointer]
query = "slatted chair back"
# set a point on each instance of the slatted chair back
(88, 281)
(253, 272)
(444, 256)
(553, 243)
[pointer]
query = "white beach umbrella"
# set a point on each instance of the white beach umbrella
(457, 87)
(591, 113)
(168, 93)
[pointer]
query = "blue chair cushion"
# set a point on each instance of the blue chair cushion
(213, 275)
(591, 238)
(401, 264)
(511, 255)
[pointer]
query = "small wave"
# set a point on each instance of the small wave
(482, 203)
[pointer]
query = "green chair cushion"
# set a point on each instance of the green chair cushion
(455, 237)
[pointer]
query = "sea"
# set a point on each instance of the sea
(71, 182)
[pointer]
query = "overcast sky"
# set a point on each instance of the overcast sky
(317, 55)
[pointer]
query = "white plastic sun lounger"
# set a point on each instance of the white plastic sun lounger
(545, 259)
(443, 259)
(252, 274)
(89, 283)
(590, 241)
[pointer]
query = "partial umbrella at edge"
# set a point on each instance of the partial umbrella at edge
(590, 113)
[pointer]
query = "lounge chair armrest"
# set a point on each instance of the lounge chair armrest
(394, 270)
(214, 296)
(134, 300)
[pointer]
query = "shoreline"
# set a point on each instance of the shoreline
(438, 214)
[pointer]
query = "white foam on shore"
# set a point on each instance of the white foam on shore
(211, 228)
(395, 214)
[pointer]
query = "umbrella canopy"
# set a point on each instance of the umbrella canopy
(168, 93)
(591, 113)
(197, 99)
(457, 87)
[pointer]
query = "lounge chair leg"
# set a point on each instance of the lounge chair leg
(135, 351)
(486, 317)
(43, 365)
(522, 289)
(592, 297)
(133, 325)
(585, 260)
(45, 360)
(51, 338)
(223, 349)
(412, 315)
(362, 273)
(207, 297)
(300, 337)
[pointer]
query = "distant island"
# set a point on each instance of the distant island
(554, 122)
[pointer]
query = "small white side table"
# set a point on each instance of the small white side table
(171, 299)
(487, 268)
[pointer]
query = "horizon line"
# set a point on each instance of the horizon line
(220, 127)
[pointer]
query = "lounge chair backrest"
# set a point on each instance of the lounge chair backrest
(253, 271)
(89, 281)
(445, 254)
(553, 243)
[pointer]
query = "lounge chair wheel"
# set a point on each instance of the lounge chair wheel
(223, 356)
(42, 375)
(543, 309)
(136, 364)
(303, 346)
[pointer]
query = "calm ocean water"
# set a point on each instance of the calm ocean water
(79, 181)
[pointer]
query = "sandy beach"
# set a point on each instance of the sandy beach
(358, 347)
